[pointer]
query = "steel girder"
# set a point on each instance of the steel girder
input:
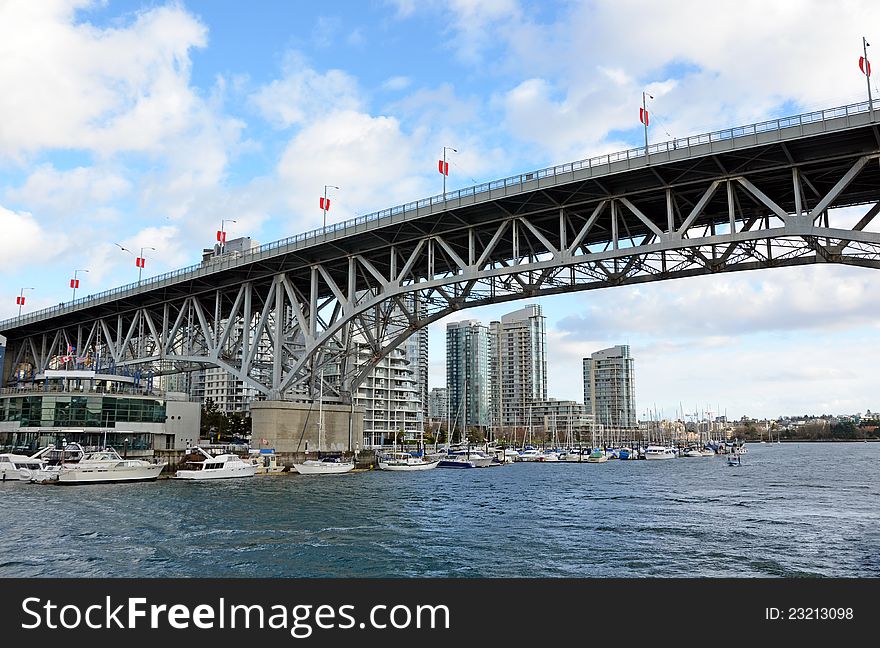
(277, 332)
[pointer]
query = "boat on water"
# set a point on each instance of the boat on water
(551, 455)
(224, 466)
(626, 453)
(405, 462)
(734, 460)
(597, 456)
(325, 466)
(573, 456)
(101, 467)
(692, 452)
(466, 458)
(707, 452)
(530, 454)
(16, 467)
(266, 462)
(659, 452)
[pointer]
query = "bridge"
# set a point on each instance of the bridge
(283, 315)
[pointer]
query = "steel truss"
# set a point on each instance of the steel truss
(276, 333)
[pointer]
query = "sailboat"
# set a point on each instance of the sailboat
(327, 465)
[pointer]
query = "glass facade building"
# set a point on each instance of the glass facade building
(467, 373)
(609, 388)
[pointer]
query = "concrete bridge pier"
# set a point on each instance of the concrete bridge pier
(292, 428)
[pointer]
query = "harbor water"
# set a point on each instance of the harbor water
(791, 509)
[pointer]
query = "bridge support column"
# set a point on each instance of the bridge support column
(292, 428)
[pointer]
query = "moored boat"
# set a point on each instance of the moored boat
(405, 462)
(101, 467)
(597, 456)
(15, 467)
(224, 466)
(659, 452)
(325, 466)
(266, 462)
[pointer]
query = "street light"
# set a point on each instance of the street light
(643, 117)
(866, 68)
(20, 299)
(221, 235)
(325, 202)
(74, 283)
(443, 167)
(140, 261)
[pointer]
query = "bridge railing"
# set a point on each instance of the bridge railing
(317, 235)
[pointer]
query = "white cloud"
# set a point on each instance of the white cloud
(72, 191)
(369, 158)
(72, 85)
(303, 93)
(24, 240)
(397, 83)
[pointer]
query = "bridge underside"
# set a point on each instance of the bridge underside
(335, 310)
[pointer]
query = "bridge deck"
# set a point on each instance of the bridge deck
(819, 143)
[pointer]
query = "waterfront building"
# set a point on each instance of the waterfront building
(96, 409)
(561, 421)
(389, 396)
(228, 393)
(518, 364)
(416, 349)
(609, 389)
(437, 404)
(467, 374)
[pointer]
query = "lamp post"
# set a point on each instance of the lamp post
(142, 261)
(74, 283)
(125, 449)
(867, 71)
(643, 117)
(325, 202)
(20, 299)
(221, 235)
(444, 168)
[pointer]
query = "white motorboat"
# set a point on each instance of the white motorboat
(659, 452)
(692, 452)
(573, 456)
(325, 466)
(101, 467)
(707, 452)
(530, 454)
(15, 467)
(404, 461)
(551, 455)
(224, 466)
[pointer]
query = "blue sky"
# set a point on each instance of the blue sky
(146, 123)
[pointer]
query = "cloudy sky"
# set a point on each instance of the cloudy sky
(146, 123)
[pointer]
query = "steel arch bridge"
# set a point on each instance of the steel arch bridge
(757, 196)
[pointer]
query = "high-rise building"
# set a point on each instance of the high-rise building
(389, 396)
(416, 349)
(467, 373)
(518, 364)
(609, 388)
(437, 409)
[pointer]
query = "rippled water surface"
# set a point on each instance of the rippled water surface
(789, 510)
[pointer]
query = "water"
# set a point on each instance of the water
(789, 510)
